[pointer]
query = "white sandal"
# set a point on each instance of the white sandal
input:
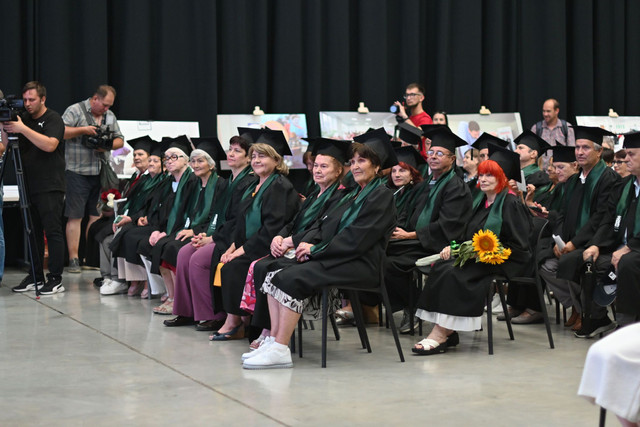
(430, 346)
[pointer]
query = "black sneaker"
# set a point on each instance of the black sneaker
(26, 285)
(592, 327)
(53, 286)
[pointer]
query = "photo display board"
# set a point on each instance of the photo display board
(347, 124)
(122, 159)
(293, 125)
(617, 125)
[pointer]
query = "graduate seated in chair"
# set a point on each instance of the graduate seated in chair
(440, 208)
(583, 212)
(345, 247)
(454, 294)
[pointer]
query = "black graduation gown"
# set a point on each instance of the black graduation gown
(280, 203)
(261, 313)
(167, 248)
(588, 235)
(136, 239)
(352, 256)
(451, 212)
(462, 291)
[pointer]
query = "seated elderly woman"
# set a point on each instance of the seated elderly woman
(405, 176)
(167, 212)
(453, 297)
(192, 299)
(267, 206)
(329, 157)
(136, 191)
(200, 207)
(345, 247)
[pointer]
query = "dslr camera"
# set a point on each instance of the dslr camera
(10, 107)
(103, 139)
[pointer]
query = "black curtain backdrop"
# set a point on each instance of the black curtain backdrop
(191, 60)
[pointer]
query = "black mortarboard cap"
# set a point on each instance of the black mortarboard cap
(158, 148)
(338, 149)
(249, 134)
(409, 155)
(592, 133)
(563, 154)
(142, 143)
(426, 129)
(485, 138)
(211, 145)
(507, 159)
(444, 138)
(632, 140)
(276, 139)
(380, 142)
(181, 142)
(410, 134)
(532, 141)
(311, 142)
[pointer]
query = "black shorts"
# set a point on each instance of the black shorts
(83, 193)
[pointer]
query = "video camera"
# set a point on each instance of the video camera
(103, 139)
(10, 107)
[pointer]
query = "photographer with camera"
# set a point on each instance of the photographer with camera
(411, 111)
(91, 131)
(40, 132)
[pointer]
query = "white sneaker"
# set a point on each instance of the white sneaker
(496, 305)
(276, 356)
(112, 287)
(263, 346)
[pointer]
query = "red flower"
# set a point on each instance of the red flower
(105, 194)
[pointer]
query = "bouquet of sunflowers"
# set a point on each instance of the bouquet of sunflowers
(483, 247)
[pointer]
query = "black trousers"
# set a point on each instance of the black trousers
(46, 215)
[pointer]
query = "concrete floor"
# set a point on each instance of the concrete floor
(78, 358)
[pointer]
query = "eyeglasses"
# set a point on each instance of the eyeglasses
(410, 95)
(173, 157)
(618, 162)
(436, 153)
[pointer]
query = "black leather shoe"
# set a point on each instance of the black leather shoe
(209, 325)
(179, 321)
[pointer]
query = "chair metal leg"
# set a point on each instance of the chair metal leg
(334, 325)
(543, 306)
(507, 318)
(300, 337)
(387, 306)
(557, 312)
(360, 323)
(489, 322)
(292, 342)
(325, 304)
(603, 417)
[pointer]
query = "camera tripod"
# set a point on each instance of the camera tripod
(13, 153)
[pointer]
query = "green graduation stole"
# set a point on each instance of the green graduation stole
(222, 204)
(528, 170)
(590, 184)
(478, 195)
(209, 191)
(623, 205)
(311, 206)
(177, 202)
(253, 217)
(147, 183)
(494, 220)
(403, 198)
(352, 211)
(425, 216)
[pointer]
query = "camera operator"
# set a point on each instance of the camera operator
(91, 131)
(40, 133)
(411, 112)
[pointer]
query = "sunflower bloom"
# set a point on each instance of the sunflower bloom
(485, 241)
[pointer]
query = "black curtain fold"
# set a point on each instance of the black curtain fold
(173, 60)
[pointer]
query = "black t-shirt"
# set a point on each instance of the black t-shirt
(43, 171)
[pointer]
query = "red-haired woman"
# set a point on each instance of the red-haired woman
(402, 180)
(454, 297)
